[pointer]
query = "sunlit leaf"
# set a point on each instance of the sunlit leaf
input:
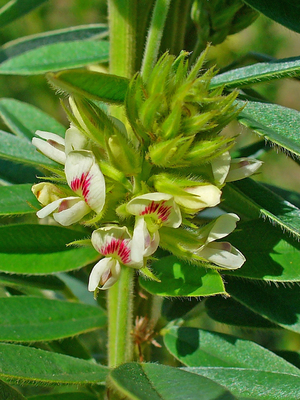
(200, 348)
(247, 383)
(277, 124)
(90, 84)
(55, 57)
(23, 44)
(178, 278)
(260, 72)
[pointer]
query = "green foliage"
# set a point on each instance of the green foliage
(52, 331)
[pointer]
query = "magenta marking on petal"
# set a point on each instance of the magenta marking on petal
(117, 247)
(159, 208)
(82, 184)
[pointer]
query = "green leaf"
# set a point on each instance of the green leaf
(14, 9)
(257, 73)
(273, 122)
(199, 348)
(55, 57)
(23, 44)
(12, 173)
(247, 383)
(24, 119)
(178, 278)
(92, 85)
(41, 249)
(42, 282)
(65, 396)
(229, 311)
(20, 150)
(253, 200)
(9, 393)
(32, 319)
(278, 304)
(46, 367)
(17, 199)
(160, 382)
(270, 254)
(286, 12)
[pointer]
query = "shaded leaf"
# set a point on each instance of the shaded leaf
(231, 312)
(92, 85)
(24, 119)
(286, 12)
(29, 319)
(270, 254)
(160, 382)
(15, 9)
(260, 72)
(12, 173)
(253, 200)
(275, 123)
(178, 278)
(278, 304)
(46, 367)
(252, 384)
(42, 250)
(17, 199)
(9, 393)
(196, 347)
(42, 282)
(65, 396)
(55, 57)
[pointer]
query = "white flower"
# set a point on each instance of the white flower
(86, 180)
(199, 197)
(160, 208)
(57, 148)
(104, 274)
(226, 169)
(222, 254)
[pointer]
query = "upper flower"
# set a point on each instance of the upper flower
(86, 180)
(157, 209)
(56, 147)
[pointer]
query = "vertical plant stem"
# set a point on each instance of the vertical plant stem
(122, 28)
(154, 35)
(120, 307)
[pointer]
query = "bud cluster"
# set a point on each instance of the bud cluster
(141, 186)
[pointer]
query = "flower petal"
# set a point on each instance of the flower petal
(106, 270)
(222, 254)
(160, 206)
(113, 241)
(143, 244)
(71, 210)
(219, 228)
(85, 178)
(53, 146)
(75, 139)
(241, 168)
(220, 167)
(199, 197)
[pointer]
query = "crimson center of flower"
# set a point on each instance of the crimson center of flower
(160, 209)
(82, 184)
(117, 247)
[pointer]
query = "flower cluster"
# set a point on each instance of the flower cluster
(141, 187)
